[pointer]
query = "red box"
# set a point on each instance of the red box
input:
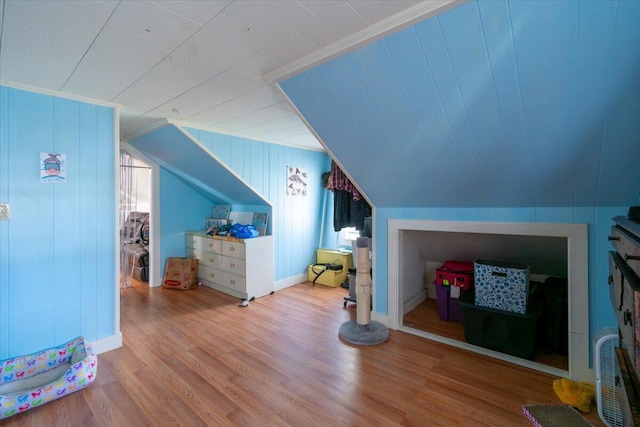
(456, 273)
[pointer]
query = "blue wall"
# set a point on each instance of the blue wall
(181, 209)
(296, 220)
(598, 222)
(489, 104)
(57, 253)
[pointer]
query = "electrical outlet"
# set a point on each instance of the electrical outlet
(4, 210)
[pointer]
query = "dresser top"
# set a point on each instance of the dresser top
(203, 233)
(631, 226)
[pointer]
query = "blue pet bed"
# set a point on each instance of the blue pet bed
(29, 381)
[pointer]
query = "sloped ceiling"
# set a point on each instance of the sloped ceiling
(490, 104)
(175, 149)
(198, 62)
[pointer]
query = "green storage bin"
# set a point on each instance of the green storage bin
(503, 331)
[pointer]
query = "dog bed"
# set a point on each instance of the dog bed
(29, 381)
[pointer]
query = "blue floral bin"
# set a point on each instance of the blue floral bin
(502, 285)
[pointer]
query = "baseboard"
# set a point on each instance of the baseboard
(414, 302)
(382, 318)
(293, 280)
(106, 344)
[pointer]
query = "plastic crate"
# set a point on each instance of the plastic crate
(503, 331)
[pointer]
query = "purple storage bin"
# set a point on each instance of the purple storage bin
(448, 308)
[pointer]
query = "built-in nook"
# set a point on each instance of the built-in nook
(418, 247)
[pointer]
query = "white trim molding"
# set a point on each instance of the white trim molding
(107, 344)
(395, 23)
(577, 267)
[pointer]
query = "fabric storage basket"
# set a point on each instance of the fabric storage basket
(502, 285)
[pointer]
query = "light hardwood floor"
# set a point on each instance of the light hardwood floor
(196, 358)
(425, 318)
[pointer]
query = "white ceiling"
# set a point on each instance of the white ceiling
(197, 63)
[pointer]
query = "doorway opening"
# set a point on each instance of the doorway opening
(135, 224)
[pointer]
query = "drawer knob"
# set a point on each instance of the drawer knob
(610, 238)
(211, 260)
(232, 265)
(627, 257)
(232, 249)
(233, 282)
(628, 320)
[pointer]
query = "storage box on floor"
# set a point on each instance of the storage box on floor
(327, 277)
(452, 279)
(497, 315)
(504, 331)
(180, 273)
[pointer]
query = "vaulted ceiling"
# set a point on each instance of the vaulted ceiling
(489, 104)
(198, 63)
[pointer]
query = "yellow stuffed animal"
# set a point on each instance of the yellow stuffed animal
(577, 394)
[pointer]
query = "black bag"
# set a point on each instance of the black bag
(136, 254)
(321, 268)
(141, 273)
(553, 326)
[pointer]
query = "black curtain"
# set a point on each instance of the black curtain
(348, 212)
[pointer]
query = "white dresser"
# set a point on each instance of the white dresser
(238, 267)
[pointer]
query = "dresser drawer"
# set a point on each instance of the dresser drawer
(193, 253)
(625, 298)
(209, 259)
(193, 242)
(210, 245)
(203, 243)
(235, 266)
(627, 246)
(210, 274)
(233, 249)
(234, 282)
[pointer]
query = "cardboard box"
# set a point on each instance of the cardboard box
(180, 273)
(502, 285)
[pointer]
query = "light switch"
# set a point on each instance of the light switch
(4, 210)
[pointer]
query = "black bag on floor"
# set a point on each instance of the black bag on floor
(136, 254)
(141, 274)
(553, 326)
